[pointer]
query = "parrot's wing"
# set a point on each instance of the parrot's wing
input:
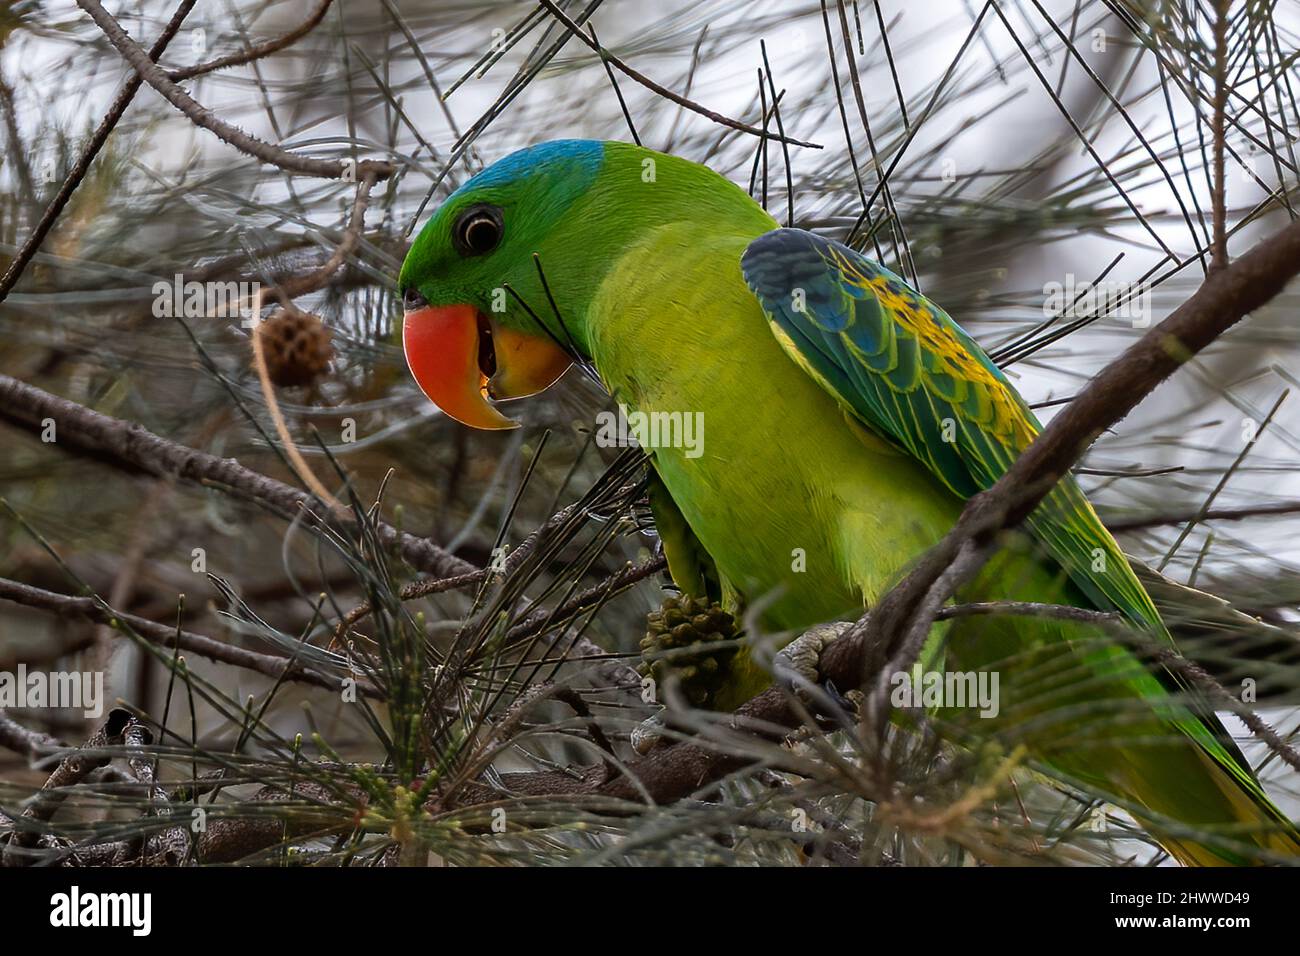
(908, 372)
(900, 365)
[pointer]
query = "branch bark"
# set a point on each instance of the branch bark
(1219, 208)
(71, 770)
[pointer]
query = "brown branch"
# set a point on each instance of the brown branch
(539, 619)
(429, 586)
(1060, 612)
(320, 277)
(612, 673)
(1219, 209)
(132, 447)
(32, 744)
(167, 636)
(410, 592)
(227, 839)
(200, 115)
(1197, 675)
(88, 153)
(257, 52)
(71, 770)
(1214, 514)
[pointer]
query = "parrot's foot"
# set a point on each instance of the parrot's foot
(692, 642)
(798, 666)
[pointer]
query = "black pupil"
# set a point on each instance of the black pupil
(481, 234)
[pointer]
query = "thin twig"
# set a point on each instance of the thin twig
(201, 116)
(88, 153)
(651, 85)
(263, 49)
(167, 635)
(1219, 212)
(132, 447)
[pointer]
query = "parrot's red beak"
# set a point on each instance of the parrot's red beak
(460, 359)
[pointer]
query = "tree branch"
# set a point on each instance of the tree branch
(200, 115)
(71, 770)
(135, 448)
(88, 153)
(320, 277)
(1219, 208)
(663, 91)
(272, 665)
(1159, 519)
(257, 52)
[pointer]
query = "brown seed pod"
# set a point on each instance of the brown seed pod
(296, 346)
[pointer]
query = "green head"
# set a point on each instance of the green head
(499, 283)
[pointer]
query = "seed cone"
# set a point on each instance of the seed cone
(297, 347)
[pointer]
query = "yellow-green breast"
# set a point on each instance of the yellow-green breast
(795, 504)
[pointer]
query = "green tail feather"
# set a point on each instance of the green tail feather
(1095, 712)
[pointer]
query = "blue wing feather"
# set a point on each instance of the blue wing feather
(908, 372)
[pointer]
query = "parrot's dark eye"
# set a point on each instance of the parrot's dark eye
(477, 230)
(412, 300)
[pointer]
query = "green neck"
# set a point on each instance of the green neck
(637, 193)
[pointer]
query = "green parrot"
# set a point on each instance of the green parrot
(847, 419)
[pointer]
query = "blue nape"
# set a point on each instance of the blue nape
(588, 153)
